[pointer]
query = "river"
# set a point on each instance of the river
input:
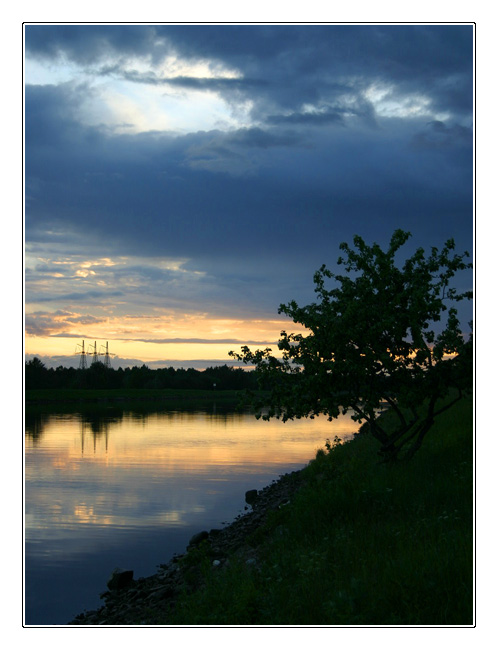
(128, 489)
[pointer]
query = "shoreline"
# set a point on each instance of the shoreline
(142, 601)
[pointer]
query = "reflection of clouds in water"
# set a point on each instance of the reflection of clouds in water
(170, 517)
(189, 441)
(131, 489)
(155, 470)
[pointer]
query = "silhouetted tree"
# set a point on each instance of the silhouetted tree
(98, 376)
(372, 339)
(35, 374)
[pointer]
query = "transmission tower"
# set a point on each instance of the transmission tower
(82, 353)
(93, 353)
(107, 355)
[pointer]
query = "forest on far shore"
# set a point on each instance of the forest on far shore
(98, 375)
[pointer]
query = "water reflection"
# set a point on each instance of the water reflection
(131, 488)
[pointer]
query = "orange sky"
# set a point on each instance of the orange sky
(153, 338)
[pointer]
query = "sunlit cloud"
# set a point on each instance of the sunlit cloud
(136, 94)
(174, 66)
(391, 102)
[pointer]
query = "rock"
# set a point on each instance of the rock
(251, 496)
(119, 579)
(198, 538)
(161, 593)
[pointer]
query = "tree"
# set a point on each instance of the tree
(378, 336)
(98, 375)
(35, 374)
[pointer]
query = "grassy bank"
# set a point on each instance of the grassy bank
(67, 398)
(362, 544)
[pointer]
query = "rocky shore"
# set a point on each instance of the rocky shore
(145, 601)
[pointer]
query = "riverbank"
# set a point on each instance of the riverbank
(345, 541)
(51, 396)
(142, 601)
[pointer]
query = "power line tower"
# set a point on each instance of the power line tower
(93, 353)
(82, 353)
(107, 355)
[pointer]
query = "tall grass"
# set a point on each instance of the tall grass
(364, 543)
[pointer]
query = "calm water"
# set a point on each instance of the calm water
(130, 489)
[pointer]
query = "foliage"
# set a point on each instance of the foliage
(373, 339)
(98, 376)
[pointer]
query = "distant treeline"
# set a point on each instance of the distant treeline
(97, 375)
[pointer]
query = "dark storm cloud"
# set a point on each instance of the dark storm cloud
(257, 137)
(224, 86)
(248, 192)
(82, 297)
(267, 204)
(436, 134)
(299, 64)
(88, 44)
(283, 67)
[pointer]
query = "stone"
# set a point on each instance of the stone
(251, 496)
(119, 579)
(161, 593)
(198, 538)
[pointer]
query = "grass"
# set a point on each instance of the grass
(37, 399)
(124, 393)
(363, 543)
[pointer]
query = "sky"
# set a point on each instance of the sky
(182, 181)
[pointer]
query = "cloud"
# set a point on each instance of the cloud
(82, 45)
(226, 341)
(255, 198)
(83, 297)
(56, 323)
(278, 66)
(436, 135)
(311, 134)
